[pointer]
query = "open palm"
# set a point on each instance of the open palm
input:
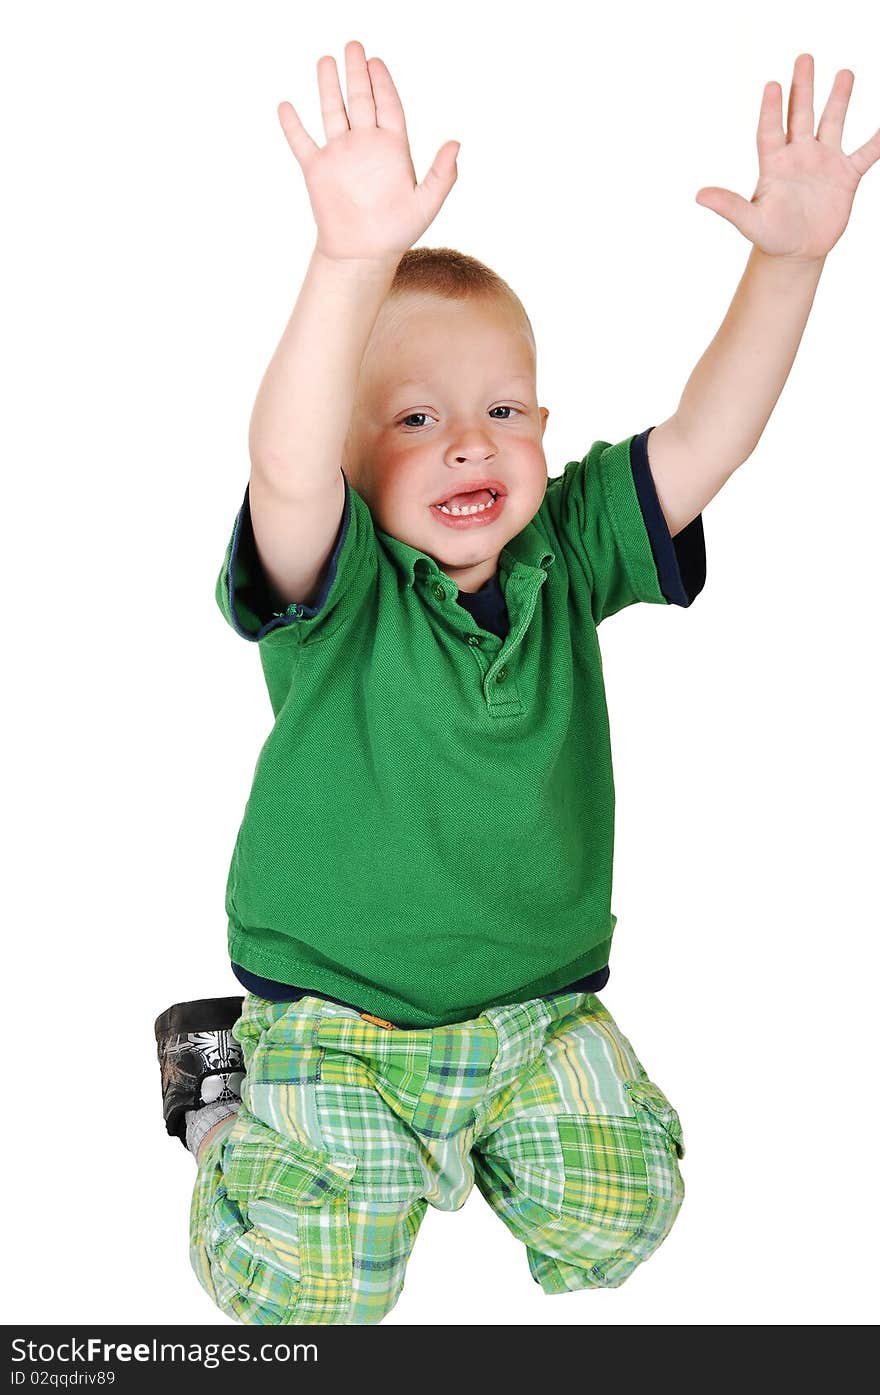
(362, 184)
(806, 184)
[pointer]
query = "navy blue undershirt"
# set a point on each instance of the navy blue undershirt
(681, 571)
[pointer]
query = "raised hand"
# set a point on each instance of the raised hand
(362, 184)
(806, 184)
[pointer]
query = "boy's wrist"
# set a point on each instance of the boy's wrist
(378, 268)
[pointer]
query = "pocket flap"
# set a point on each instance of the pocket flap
(262, 1163)
(652, 1098)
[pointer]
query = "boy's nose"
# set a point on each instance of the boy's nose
(476, 447)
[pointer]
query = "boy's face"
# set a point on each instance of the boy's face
(446, 398)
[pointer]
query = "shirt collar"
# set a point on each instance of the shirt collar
(529, 549)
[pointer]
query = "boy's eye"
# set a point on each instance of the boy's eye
(412, 415)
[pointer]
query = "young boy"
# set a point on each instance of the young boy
(419, 896)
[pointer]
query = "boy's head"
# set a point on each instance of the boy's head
(447, 398)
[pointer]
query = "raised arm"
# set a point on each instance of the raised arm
(368, 210)
(797, 213)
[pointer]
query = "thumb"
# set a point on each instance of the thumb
(733, 207)
(440, 177)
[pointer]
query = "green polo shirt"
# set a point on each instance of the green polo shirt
(430, 827)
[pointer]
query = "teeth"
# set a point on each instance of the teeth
(471, 508)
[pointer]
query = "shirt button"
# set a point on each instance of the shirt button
(501, 674)
(474, 640)
(439, 593)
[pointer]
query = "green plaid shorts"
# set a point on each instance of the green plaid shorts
(307, 1206)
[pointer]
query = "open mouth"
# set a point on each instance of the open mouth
(468, 502)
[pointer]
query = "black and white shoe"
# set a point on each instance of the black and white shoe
(201, 1061)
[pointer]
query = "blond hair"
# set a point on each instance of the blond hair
(453, 275)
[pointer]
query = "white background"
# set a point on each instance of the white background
(157, 229)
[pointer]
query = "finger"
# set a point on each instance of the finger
(298, 137)
(361, 106)
(333, 111)
(830, 130)
(864, 157)
(800, 99)
(737, 210)
(389, 109)
(440, 178)
(771, 136)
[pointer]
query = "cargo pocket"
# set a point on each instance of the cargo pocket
(282, 1233)
(648, 1096)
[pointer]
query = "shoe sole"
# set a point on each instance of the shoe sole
(200, 1015)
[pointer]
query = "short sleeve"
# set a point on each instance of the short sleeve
(611, 516)
(680, 561)
(246, 597)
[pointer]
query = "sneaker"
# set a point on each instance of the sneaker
(201, 1061)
